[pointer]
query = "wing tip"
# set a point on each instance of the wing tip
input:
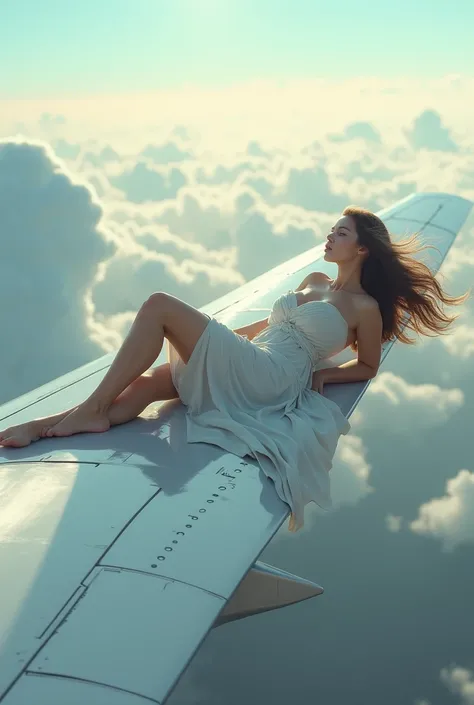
(447, 196)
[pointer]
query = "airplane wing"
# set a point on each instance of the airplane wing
(120, 551)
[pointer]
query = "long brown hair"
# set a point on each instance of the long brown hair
(402, 285)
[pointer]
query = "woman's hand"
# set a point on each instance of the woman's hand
(252, 329)
(318, 381)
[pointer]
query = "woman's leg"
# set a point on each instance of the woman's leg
(154, 385)
(161, 315)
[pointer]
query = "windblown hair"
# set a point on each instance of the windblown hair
(405, 288)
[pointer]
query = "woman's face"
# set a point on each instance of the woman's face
(342, 245)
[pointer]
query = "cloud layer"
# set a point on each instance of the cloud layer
(93, 229)
(159, 199)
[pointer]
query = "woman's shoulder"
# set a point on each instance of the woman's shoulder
(312, 279)
(321, 275)
(317, 277)
(366, 302)
(367, 309)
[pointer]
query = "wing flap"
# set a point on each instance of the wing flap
(132, 632)
(40, 688)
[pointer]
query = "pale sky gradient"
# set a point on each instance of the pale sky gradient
(53, 48)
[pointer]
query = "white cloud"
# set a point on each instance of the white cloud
(428, 132)
(357, 130)
(310, 188)
(460, 342)
(78, 276)
(52, 244)
(130, 278)
(65, 150)
(260, 248)
(149, 183)
(460, 681)
(166, 153)
(350, 472)
(98, 157)
(457, 268)
(394, 403)
(349, 477)
(271, 111)
(50, 122)
(196, 207)
(449, 518)
(393, 523)
(201, 214)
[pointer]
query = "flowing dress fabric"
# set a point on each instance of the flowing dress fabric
(254, 397)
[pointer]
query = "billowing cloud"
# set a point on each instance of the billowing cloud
(369, 169)
(450, 518)
(166, 153)
(66, 150)
(97, 158)
(220, 174)
(350, 472)
(358, 130)
(460, 681)
(48, 121)
(130, 278)
(428, 132)
(349, 477)
(255, 150)
(182, 132)
(311, 189)
(460, 343)
(196, 217)
(456, 278)
(407, 408)
(259, 248)
(460, 259)
(393, 523)
(52, 245)
(198, 214)
(148, 183)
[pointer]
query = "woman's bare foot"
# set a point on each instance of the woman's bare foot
(24, 433)
(83, 419)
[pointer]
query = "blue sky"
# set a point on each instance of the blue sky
(53, 48)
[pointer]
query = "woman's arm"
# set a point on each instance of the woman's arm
(252, 329)
(351, 371)
(369, 351)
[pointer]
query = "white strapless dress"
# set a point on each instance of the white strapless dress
(254, 397)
